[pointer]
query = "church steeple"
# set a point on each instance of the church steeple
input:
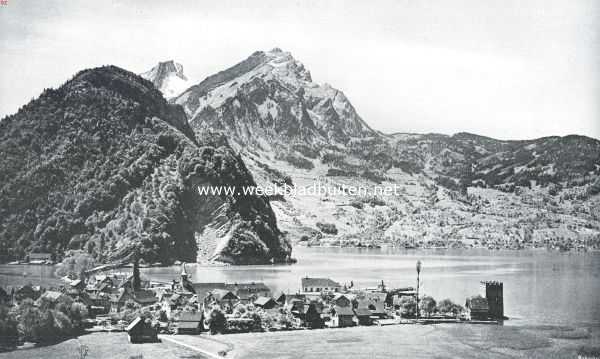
(184, 275)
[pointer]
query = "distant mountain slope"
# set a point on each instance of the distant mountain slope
(168, 77)
(473, 160)
(104, 164)
(459, 190)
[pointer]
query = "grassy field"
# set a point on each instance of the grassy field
(104, 346)
(400, 341)
(416, 341)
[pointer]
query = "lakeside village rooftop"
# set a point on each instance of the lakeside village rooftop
(183, 306)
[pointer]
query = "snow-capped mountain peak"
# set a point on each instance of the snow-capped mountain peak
(168, 77)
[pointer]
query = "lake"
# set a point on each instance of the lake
(540, 287)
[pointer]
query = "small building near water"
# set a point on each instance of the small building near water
(40, 258)
(319, 285)
(478, 308)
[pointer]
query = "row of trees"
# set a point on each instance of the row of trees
(428, 307)
(248, 318)
(43, 324)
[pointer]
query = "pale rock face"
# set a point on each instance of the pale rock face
(168, 77)
(273, 94)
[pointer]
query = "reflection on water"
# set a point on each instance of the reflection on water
(540, 287)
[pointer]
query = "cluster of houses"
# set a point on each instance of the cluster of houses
(184, 307)
(75, 291)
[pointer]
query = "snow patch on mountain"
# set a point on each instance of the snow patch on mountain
(168, 77)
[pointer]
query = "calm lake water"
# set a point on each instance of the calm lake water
(540, 287)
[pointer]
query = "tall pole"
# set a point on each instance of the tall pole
(419, 265)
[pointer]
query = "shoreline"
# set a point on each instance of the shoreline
(217, 264)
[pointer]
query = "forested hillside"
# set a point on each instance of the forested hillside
(104, 164)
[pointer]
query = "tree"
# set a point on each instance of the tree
(46, 326)
(217, 322)
(9, 335)
(77, 313)
(428, 305)
(447, 306)
(162, 316)
(29, 317)
(62, 325)
(286, 320)
(75, 265)
(408, 307)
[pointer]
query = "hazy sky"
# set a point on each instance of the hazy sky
(506, 69)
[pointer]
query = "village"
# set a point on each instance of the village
(126, 301)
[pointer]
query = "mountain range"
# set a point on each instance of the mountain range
(110, 164)
(459, 190)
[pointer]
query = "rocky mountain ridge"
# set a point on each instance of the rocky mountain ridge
(291, 130)
(268, 99)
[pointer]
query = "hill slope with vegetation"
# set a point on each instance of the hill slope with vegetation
(105, 165)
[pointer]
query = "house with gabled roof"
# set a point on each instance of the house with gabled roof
(248, 292)
(221, 297)
(189, 323)
(342, 317)
(51, 298)
(341, 300)
(310, 315)
(203, 289)
(319, 285)
(280, 298)
(141, 330)
(363, 315)
(265, 303)
(118, 300)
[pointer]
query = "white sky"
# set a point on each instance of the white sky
(506, 69)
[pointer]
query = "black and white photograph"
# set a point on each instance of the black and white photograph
(291, 179)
